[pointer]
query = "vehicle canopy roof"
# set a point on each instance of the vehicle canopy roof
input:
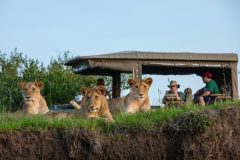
(222, 65)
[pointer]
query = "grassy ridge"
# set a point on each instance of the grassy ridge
(17, 121)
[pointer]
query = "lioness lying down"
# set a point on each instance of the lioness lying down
(33, 102)
(137, 100)
(95, 104)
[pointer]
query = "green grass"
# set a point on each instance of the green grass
(18, 121)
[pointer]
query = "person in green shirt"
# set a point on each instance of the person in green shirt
(210, 88)
(173, 90)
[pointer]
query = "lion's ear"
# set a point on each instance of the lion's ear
(39, 84)
(132, 82)
(102, 90)
(148, 81)
(21, 84)
(84, 91)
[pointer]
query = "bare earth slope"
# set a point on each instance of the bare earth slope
(209, 135)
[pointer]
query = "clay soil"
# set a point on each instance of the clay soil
(221, 140)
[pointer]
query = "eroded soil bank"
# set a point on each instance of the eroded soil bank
(189, 137)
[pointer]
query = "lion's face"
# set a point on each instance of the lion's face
(30, 90)
(93, 98)
(139, 88)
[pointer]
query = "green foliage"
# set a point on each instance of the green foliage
(9, 76)
(193, 121)
(61, 84)
(149, 119)
(225, 104)
(196, 123)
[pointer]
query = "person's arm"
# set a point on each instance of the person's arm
(200, 91)
(206, 93)
(177, 95)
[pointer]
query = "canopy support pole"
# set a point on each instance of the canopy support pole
(139, 67)
(116, 85)
(234, 79)
(137, 70)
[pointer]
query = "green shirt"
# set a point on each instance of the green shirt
(212, 87)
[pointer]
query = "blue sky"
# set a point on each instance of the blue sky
(46, 28)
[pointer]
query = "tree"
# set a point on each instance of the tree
(61, 84)
(10, 71)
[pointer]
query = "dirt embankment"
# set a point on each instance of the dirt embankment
(189, 137)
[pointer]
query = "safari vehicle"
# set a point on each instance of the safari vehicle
(223, 67)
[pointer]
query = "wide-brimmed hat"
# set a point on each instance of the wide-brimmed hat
(174, 83)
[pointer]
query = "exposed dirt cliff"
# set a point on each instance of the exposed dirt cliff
(208, 135)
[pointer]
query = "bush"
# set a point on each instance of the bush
(61, 84)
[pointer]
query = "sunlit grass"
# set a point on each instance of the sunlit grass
(19, 121)
(13, 121)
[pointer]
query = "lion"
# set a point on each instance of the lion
(95, 104)
(33, 102)
(137, 100)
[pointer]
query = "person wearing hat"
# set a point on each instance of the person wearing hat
(210, 88)
(173, 90)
